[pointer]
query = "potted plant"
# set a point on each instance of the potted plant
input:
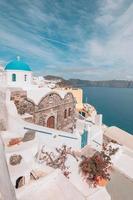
(96, 169)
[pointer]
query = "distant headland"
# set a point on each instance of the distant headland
(87, 83)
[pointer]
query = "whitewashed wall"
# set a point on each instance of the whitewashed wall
(6, 188)
(3, 110)
(20, 82)
(53, 138)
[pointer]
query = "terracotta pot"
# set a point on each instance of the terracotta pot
(14, 141)
(101, 181)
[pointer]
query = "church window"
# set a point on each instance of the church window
(69, 112)
(25, 77)
(13, 77)
(65, 114)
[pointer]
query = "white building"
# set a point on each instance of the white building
(16, 75)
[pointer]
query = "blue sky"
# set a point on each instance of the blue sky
(87, 39)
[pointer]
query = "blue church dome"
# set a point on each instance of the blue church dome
(17, 65)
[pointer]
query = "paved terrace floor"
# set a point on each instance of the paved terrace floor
(120, 187)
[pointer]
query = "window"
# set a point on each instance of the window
(13, 77)
(65, 114)
(69, 112)
(25, 77)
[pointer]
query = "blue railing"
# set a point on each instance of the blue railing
(38, 131)
(65, 136)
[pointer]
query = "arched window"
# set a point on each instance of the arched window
(25, 77)
(65, 114)
(13, 77)
(69, 112)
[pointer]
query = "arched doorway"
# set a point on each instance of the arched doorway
(51, 122)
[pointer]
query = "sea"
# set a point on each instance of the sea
(116, 105)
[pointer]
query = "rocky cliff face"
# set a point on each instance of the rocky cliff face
(3, 111)
(88, 83)
(109, 83)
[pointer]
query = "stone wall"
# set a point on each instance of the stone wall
(77, 93)
(52, 105)
(3, 111)
(18, 95)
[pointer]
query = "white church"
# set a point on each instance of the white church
(16, 74)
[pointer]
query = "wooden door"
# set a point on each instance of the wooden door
(51, 122)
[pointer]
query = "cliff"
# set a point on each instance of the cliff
(109, 83)
(88, 83)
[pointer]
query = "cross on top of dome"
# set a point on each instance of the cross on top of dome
(18, 58)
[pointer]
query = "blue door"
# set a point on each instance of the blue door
(84, 138)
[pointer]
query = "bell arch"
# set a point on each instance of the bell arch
(51, 99)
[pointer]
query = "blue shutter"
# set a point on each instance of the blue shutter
(84, 138)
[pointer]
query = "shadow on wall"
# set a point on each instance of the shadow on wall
(6, 187)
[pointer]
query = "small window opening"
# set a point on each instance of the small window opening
(65, 114)
(25, 77)
(13, 77)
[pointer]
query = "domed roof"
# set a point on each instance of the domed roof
(17, 65)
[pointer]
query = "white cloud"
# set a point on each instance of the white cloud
(104, 20)
(81, 44)
(110, 5)
(116, 51)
